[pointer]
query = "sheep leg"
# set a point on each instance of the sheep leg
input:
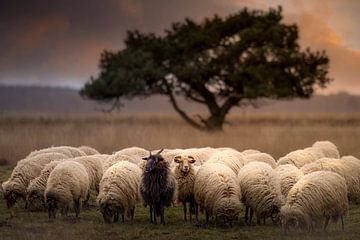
(116, 216)
(155, 213)
(207, 217)
(191, 209)
(246, 215)
(264, 220)
(196, 211)
(132, 211)
(162, 214)
(77, 207)
(184, 204)
(151, 214)
(326, 223)
(251, 216)
(122, 218)
(342, 223)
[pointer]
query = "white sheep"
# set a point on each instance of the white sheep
(184, 172)
(297, 158)
(66, 150)
(230, 158)
(68, 183)
(260, 157)
(345, 167)
(35, 190)
(119, 157)
(260, 191)
(250, 151)
(217, 191)
(119, 191)
(94, 168)
(328, 148)
(316, 196)
(289, 175)
(137, 152)
(88, 150)
(26, 170)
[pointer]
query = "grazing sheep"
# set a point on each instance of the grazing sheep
(66, 150)
(119, 191)
(328, 148)
(317, 196)
(88, 150)
(289, 175)
(137, 152)
(68, 183)
(26, 170)
(35, 190)
(217, 191)
(201, 155)
(250, 151)
(260, 157)
(345, 167)
(119, 157)
(94, 169)
(184, 173)
(231, 158)
(297, 158)
(158, 186)
(260, 191)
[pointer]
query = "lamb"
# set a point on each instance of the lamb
(184, 173)
(345, 167)
(328, 148)
(67, 183)
(260, 191)
(231, 158)
(260, 157)
(317, 196)
(217, 191)
(119, 191)
(158, 186)
(66, 150)
(88, 150)
(35, 190)
(26, 170)
(289, 175)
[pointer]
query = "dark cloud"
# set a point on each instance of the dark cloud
(59, 42)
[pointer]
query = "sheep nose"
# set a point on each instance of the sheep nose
(186, 168)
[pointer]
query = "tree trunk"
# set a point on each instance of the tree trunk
(215, 122)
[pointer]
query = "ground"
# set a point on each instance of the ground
(275, 134)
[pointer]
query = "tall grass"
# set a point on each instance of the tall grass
(21, 133)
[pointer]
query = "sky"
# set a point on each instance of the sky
(58, 43)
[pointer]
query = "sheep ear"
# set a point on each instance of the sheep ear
(177, 159)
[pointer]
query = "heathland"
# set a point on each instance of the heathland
(277, 134)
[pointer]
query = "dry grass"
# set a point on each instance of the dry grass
(275, 134)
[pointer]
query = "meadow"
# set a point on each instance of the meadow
(277, 134)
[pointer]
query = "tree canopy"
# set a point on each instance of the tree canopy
(221, 63)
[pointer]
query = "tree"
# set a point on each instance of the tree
(221, 63)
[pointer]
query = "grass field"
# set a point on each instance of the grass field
(275, 134)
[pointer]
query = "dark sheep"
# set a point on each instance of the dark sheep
(158, 186)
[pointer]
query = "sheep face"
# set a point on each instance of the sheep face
(184, 163)
(33, 196)
(154, 162)
(52, 207)
(291, 219)
(108, 213)
(11, 196)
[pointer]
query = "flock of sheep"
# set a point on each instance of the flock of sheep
(302, 190)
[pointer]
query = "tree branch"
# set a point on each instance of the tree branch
(180, 111)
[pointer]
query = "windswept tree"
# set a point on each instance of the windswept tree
(221, 63)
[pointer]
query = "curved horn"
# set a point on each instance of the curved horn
(160, 151)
